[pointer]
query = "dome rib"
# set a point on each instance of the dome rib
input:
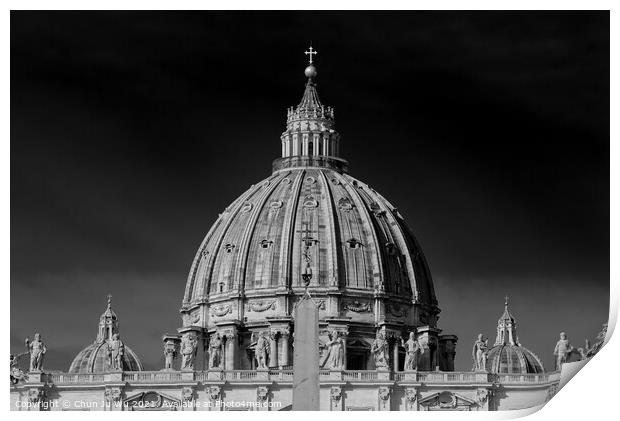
(334, 280)
(288, 233)
(192, 293)
(384, 231)
(376, 255)
(232, 217)
(241, 263)
(412, 247)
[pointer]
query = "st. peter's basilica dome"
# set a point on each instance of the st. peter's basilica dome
(311, 221)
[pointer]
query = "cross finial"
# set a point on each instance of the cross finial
(109, 300)
(506, 301)
(310, 53)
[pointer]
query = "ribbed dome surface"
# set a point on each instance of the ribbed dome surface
(360, 243)
(513, 359)
(94, 359)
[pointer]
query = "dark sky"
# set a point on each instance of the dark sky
(131, 131)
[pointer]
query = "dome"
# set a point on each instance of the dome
(513, 359)
(508, 355)
(310, 221)
(358, 244)
(95, 357)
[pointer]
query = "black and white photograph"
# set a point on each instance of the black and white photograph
(308, 210)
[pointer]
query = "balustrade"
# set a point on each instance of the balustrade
(286, 375)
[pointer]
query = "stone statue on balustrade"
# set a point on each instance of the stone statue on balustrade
(261, 351)
(215, 352)
(170, 354)
(189, 348)
(562, 351)
(413, 350)
(380, 351)
(116, 351)
(37, 350)
(334, 358)
(479, 353)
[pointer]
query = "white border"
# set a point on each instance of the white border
(589, 395)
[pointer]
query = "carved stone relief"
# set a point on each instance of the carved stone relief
(260, 306)
(411, 395)
(113, 394)
(357, 306)
(187, 394)
(336, 393)
(36, 395)
(262, 393)
(214, 392)
(221, 311)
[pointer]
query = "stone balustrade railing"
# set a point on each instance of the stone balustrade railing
(286, 375)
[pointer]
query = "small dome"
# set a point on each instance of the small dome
(508, 356)
(513, 359)
(94, 359)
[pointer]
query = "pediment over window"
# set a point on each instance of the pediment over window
(447, 401)
(151, 401)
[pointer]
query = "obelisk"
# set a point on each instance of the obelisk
(306, 356)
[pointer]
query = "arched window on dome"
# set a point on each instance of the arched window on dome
(310, 151)
(354, 243)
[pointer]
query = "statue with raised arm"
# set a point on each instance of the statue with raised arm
(188, 351)
(380, 351)
(562, 351)
(413, 350)
(37, 350)
(334, 359)
(116, 351)
(479, 353)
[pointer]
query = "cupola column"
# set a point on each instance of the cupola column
(231, 346)
(273, 349)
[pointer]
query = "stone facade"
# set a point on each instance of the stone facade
(339, 391)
